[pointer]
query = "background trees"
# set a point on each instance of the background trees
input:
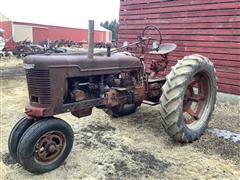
(112, 26)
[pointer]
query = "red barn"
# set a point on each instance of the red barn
(20, 31)
(211, 28)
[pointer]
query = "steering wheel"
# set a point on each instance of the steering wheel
(147, 34)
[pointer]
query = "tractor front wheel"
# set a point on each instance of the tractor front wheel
(45, 145)
(188, 98)
(17, 131)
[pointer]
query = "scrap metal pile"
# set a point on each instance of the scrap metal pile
(24, 48)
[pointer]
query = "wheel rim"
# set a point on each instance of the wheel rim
(50, 147)
(195, 100)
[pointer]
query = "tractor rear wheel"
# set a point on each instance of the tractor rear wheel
(45, 145)
(188, 99)
(17, 131)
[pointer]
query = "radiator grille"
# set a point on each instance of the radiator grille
(39, 85)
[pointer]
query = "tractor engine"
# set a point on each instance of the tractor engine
(74, 83)
(119, 91)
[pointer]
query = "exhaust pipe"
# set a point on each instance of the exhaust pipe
(90, 39)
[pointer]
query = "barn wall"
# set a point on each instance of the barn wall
(56, 33)
(102, 36)
(109, 36)
(52, 33)
(22, 32)
(39, 34)
(99, 36)
(73, 34)
(211, 28)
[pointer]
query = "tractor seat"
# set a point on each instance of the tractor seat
(164, 49)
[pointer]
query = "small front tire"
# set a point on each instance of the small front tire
(45, 145)
(17, 131)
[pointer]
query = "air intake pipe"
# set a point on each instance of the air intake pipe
(90, 39)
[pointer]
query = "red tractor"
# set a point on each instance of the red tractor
(117, 82)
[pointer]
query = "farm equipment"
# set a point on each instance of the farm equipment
(24, 48)
(116, 82)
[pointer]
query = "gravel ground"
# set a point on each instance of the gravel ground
(131, 147)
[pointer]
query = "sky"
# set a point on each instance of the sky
(72, 13)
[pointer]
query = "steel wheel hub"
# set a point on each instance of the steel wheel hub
(50, 147)
(195, 98)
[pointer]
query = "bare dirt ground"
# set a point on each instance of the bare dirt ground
(132, 147)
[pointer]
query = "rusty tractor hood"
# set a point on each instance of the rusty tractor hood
(82, 62)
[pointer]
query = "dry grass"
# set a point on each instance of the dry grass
(10, 63)
(132, 147)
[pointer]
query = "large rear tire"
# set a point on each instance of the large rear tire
(188, 99)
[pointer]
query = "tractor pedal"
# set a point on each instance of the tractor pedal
(150, 103)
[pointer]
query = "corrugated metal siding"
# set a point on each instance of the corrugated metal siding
(22, 32)
(39, 34)
(73, 34)
(102, 36)
(66, 33)
(109, 36)
(211, 28)
(56, 33)
(99, 36)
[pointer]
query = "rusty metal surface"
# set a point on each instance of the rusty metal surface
(36, 112)
(49, 147)
(82, 63)
(82, 112)
(139, 95)
(195, 99)
(90, 38)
